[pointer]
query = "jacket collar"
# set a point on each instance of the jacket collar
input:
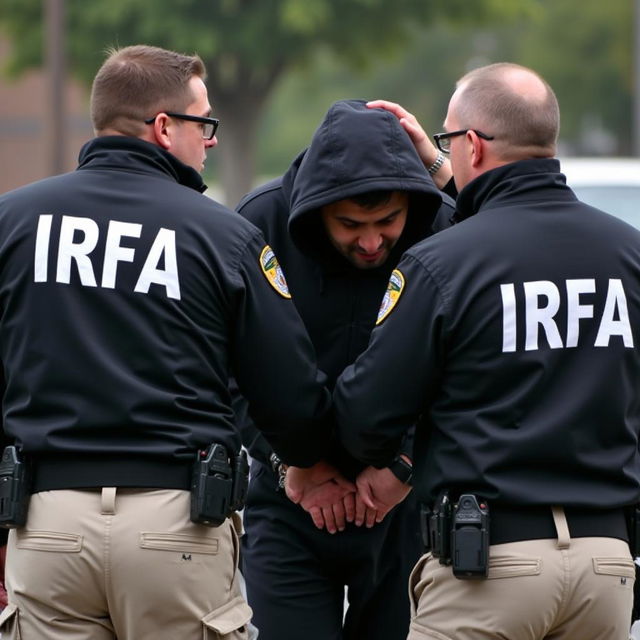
(125, 153)
(523, 181)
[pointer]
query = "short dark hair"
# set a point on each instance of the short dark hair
(136, 82)
(372, 199)
(522, 124)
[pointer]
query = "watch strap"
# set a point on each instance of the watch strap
(401, 469)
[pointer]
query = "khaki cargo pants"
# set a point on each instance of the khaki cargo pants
(125, 564)
(565, 589)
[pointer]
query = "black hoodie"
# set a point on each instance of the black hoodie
(355, 150)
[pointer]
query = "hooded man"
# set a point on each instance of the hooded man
(339, 219)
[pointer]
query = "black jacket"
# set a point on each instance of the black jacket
(127, 298)
(516, 339)
(355, 150)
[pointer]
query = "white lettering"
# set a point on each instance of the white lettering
(613, 321)
(68, 250)
(165, 243)
(114, 253)
(508, 293)
(41, 258)
(537, 315)
(78, 239)
(575, 310)
(616, 304)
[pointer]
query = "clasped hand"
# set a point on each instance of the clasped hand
(331, 500)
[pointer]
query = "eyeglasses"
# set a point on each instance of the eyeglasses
(443, 140)
(209, 125)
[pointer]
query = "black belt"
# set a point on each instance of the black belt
(84, 471)
(514, 524)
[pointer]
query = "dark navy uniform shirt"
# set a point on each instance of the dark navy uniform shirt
(126, 301)
(513, 338)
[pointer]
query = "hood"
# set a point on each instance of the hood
(355, 150)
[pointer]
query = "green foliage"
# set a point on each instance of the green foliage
(259, 33)
(313, 52)
(585, 51)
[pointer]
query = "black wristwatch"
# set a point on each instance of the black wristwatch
(401, 469)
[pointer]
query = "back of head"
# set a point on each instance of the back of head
(515, 105)
(136, 83)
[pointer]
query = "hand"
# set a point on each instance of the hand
(425, 148)
(364, 514)
(380, 491)
(320, 490)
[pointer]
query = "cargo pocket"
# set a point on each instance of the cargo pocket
(9, 627)
(228, 622)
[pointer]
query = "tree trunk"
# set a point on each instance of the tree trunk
(237, 145)
(238, 95)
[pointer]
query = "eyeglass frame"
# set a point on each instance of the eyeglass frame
(447, 135)
(212, 122)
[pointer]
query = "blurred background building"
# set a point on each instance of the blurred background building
(24, 105)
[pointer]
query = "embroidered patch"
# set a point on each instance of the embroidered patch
(273, 272)
(391, 295)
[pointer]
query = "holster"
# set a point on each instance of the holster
(15, 489)
(218, 485)
(457, 533)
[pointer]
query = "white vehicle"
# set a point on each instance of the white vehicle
(611, 184)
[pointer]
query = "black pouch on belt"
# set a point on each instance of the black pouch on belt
(211, 487)
(15, 489)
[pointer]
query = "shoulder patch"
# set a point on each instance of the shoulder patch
(391, 295)
(273, 271)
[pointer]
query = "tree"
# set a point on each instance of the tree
(590, 65)
(247, 45)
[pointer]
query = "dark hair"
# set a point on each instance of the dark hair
(372, 199)
(137, 82)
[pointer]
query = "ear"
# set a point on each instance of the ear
(162, 131)
(476, 148)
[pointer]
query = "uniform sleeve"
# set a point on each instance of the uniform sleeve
(274, 362)
(444, 216)
(251, 437)
(263, 208)
(379, 397)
